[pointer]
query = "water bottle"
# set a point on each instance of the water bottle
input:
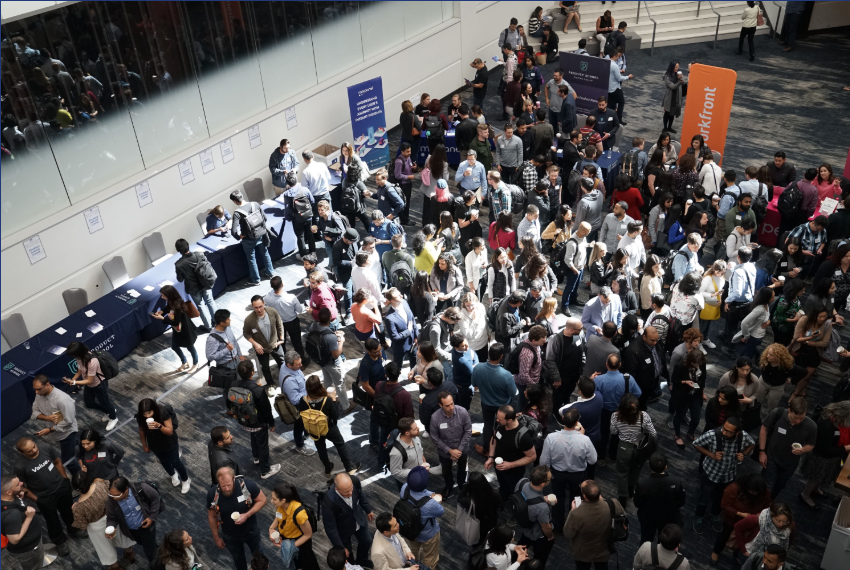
(609, 153)
(27, 345)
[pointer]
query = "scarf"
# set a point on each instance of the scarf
(768, 534)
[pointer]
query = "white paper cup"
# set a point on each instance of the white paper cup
(552, 499)
(110, 530)
(234, 516)
(330, 391)
(782, 278)
(275, 536)
(499, 461)
(690, 202)
(796, 446)
(150, 421)
(438, 498)
(839, 350)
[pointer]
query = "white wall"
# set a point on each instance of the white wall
(23, 8)
(829, 15)
(436, 61)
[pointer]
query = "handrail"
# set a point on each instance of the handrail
(775, 26)
(717, 28)
(699, 4)
(654, 24)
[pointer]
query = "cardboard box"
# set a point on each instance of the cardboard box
(327, 154)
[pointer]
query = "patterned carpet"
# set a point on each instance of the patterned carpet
(767, 115)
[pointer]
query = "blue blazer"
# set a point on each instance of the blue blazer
(397, 329)
(339, 519)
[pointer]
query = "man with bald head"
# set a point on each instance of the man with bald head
(647, 364)
(234, 495)
(566, 352)
(346, 512)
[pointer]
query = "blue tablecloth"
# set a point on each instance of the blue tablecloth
(452, 153)
(610, 167)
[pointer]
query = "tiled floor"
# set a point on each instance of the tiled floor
(767, 115)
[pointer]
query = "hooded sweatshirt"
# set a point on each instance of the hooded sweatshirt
(590, 210)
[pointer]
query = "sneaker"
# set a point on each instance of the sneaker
(305, 451)
(252, 283)
(175, 479)
(702, 349)
(436, 470)
(185, 487)
(699, 525)
(256, 461)
(63, 549)
(111, 424)
(424, 435)
(272, 470)
(105, 418)
(709, 344)
(716, 523)
(354, 469)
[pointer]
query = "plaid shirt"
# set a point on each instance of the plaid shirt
(722, 471)
(811, 240)
(500, 200)
(529, 175)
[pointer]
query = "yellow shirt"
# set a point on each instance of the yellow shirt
(285, 526)
(425, 260)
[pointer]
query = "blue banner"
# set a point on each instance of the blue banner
(589, 77)
(368, 123)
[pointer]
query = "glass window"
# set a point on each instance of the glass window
(283, 35)
(448, 10)
(421, 16)
(336, 37)
(380, 26)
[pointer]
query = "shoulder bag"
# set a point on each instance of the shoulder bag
(710, 312)
(467, 525)
(645, 446)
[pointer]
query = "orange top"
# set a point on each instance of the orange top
(364, 317)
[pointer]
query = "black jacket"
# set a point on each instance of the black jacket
(568, 354)
(221, 457)
(185, 270)
(635, 358)
(568, 161)
(542, 203)
(343, 259)
(508, 326)
(339, 519)
(464, 133)
(431, 402)
(659, 498)
(264, 408)
(606, 122)
(148, 499)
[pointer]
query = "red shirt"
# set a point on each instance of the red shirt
(322, 296)
(633, 198)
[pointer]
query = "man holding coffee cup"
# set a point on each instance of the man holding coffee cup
(243, 498)
(784, 437)
(134, 508)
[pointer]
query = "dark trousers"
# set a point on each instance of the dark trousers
(508, 173)
(793, 21)
(97, 398)
(682, 408)
(298, 432)
(478, 100)
(722, 537)
(399, 355)
(171, 462)
(67, 447)
(335, 437)
(236, 547)
(650, 528)
(56, 508)
(292, 329)
(561, 394)
(264, 363)
(540, 547)
(736, 313)
(591, 565)
(260, 448)
(489, 415)
(146, 537)
(749, 33)
(364, 546)
(306, 238)
(668, 120)
(364, 219)
(617, 101)
(777, 476)
(508, 479)
(565, 486)
(404, 218)
(464, 397)
(605, 429)
(553, 120)
(571, 286)
(710, 494)
(448, 476)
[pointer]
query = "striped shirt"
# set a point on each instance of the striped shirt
(630, 433)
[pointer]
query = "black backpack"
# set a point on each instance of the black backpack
(383, 407)
(342, 220)
(252, 222)
(302, 208)
(391, 171)
(477, 559)
(655, 565)
(408, 513)
(789, 202)
(204, 271)
(610, 44)
(311, 517)
(760, 204)
(512, 362)
(667, 266)
(400, 275)
(398, 192)
(350, 198)
(518, 199)
(631, 166)
(528, 424)
(433, 127)
(244, 406)
(108, 364)
(519, 505)
(390, 443)
(493, 313)
(315, 348)
(573, 187)
(619, 526)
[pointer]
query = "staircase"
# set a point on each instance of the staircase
(677, 23)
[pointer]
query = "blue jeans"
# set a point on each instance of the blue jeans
(205, 297)
(236, 546)
(67, 447)
(256, 248)
(171, 462)
(750, 347)
(179, 351)
(476, 100)
(97, 398)
(682, 408)
(329, 251)
(571, 286)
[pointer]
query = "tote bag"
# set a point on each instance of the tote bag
(426, 177)
(710, 312)
(467, 526)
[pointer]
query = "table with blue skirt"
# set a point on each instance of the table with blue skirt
(610, 167)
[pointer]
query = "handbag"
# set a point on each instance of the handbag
(191, 310)
(426, 177)
(467, 526)
(413, 130)
(287, 411)
(710, 312)
(541, 58)
(360, 397)
(645, 446)
(220, 377)
(759, 19)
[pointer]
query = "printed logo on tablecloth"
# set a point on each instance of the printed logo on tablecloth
(12, 368)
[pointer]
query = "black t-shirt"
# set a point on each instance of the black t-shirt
(40, 474)
(158, 441)
(506, 444)
(13, 517)
(481, 76)
(235, 503)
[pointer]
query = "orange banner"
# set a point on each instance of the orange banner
(708, 106)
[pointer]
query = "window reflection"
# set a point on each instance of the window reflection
(336, 37)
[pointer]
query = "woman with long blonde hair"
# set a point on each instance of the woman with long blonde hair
(599, 270)
(777, 369)
(546, 317)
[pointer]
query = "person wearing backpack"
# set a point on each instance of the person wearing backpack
(145, 502)
(346, 513)
(513, 445)
(292, 522)
(406, 452)
(325, 346)
(590, 525)
(663, 554)
(231, 495)
(90, 373)
(194, 270)
(425, 545)
(332, 225)
(299, 205)
(249, 226)
(255, 416)
(319, 405)
(533, 514)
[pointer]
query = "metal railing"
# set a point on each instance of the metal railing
(717, 28)
(699, 4)
(651, 19)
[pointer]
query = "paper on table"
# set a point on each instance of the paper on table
(828, 206)
(133, 293)
(221, 246)
(79, 335)
(148, 288)
(95, 327)
(90, 313)
(56, 349)
(60, 330)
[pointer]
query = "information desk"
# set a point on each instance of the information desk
(610, 168)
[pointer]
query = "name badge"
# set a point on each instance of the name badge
(444, 426)
(837, 432)
(578, 342)
(649, 361)
(838, 273)
(50, 467)
(738, 218)
(558, 187)
(138, 508)
(278, 515)
(498, 435)
(782, 431)
(784, 264)
(240, 499)
(626, 344)
(101, 454)
(661, 216)
(610, 118)
(253, 330)
(532, 74)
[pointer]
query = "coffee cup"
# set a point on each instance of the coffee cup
(330, 390)
(552, 498)
(275, 536)
(314, 228)
(234, 516)
(839, 350)
(499, 461)
(782, 278)
(110, 530)
(689, 202)
(796, 445)
(438, 498)
(150, 421)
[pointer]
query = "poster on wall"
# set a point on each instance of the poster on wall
(93, 219)
(588, 76)
(254, 136)
(35, 251)
(368, 123)
(708, 106)
(143, 193)
(226, 151)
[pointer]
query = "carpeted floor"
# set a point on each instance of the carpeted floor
(767, 115)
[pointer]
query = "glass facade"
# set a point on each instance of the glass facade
(95, 92)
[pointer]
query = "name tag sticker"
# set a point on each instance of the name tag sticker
(838, 273)
(278, 515)
(101, 454)
(649, 361)
(253, 330)
(578, 342)
(444, 426)
(50, 467)
(626, 344)
(837, 432)
(782, 431)
(240, 499)
(610, 118)
(784, 264)
(138, 508)
(738, 218)
(498, 435)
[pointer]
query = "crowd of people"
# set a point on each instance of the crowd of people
(464, 308)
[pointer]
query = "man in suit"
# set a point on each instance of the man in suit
(401, 328)
(346, 512)
(571, 153)
(386, 547)
(263, 328)
(647, 364)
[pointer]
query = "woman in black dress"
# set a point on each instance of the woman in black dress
(183, 333)
(422, 302)
(467, 211)
(158, 432)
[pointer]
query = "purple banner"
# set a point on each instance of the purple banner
(588, 75)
